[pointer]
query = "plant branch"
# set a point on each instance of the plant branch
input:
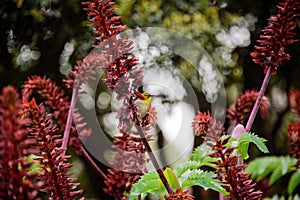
(151, 155)
(68, 123)
(259, 99)
(93, 164)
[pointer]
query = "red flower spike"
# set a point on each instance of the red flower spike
(294, 100)
(130, 153)
(270, 51)
(124, 78)
(201, 123)
(294, 140)
(180, 195)
(15, 146)
(54, 171)
(58, 103)
(244, 104)
(235, 180)
(119, 183)
(85, 70)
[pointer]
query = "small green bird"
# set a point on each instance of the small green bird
(143, 101)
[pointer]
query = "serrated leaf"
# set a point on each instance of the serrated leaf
(190, 164)
(261, 167)
(200, 152)
(285, 165)
(245, 139)
(148, 183)
(201, 155)
(276, 166)
(294, 181)
(204, 179)
(277, 174)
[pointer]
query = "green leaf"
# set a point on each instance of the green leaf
(186, 166)
(245, 139)
(285, 165)
(148, 183)
(36, 165)
(294, 181)
(204, 179)
(276, 166)
(201, 155)
(282, 198)
(171, 178)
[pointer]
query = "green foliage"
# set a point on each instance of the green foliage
(186, 175)
(172, 180)
(206, 180)
(245, 139)
(282, 198)
(294, 182)
(201, 156)
(148, 183)
(276, 167)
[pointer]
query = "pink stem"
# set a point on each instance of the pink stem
(253, 112)
(221, 197)
(93, 164)
(68, 123)
(67, 134)
(259, 98)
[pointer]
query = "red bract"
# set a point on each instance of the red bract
(16, 182)
(150, 118)
(119, 183)
(201, 123)
(124, 78)
(294, 100)
(235, 180)
(54, 169)
(270, 52)
(294, 128)
(180, 195)
(244, 105)
(129, 153)
(294, 140)
(121, 75)
(85, 70)
(56, 100)
(102, 18)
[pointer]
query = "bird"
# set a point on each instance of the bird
(143, 101)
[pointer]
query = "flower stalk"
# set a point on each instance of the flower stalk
(258, 100)
(69, 122)
(152, 156)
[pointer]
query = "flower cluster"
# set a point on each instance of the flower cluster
(179, 195)
(84, 71)
(244, 105)
(201, 123)
(119, 183)
(235, 180)
(16, 182)
(57, 102)
(294, 140)
(294, 128)
(270, 52)
(54, 167)
(124, 78)
(294, 101)
(131, 147)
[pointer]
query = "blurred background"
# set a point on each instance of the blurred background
(48, 37)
